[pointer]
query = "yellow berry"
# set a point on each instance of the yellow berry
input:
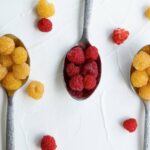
(6, 60)
(45, 9)
(147, 13)
(35, 89)
(148, 71)
(141, 61)
(7, 45)
(10, 82)
(3, 72)
(139, 78)
(146, 49)
(21, 71)
(19, 55)
(144, 92)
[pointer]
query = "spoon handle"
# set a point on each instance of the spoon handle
(10, 125)
(87, 16)
(147, 127)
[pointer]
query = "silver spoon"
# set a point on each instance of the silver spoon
(147, 115)
(84, 43)
(10, 111)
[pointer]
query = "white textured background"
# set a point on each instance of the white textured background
(89, 125)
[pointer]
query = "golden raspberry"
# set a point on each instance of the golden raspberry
(148, 71)
(35, 89)
(45, 9)
(147, 13)
(146, 49)
(7, 45)
(3, 72)
(10, 82)
(19, 55)
(21, 71)
(141, 61)
(6, 60)
(139, 78)
(144, 92)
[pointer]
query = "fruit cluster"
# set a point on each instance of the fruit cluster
(14, 68)
(45, 10)
(81, 70)
(140, 75)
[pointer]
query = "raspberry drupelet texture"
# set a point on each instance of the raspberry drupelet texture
(76, 55)
(45, 9)
(141, 61)
(76, 83)
(89, 82)
(72, 70)
(35, 89)
(6, 60)
(7, 45)
(19, 55)
(90, 68)
(119, 35)
(3, 72)
(44, 25)
(144, 92)
(48, 143)
(139, 78)
(21, 71)
(10, 82)
(91, 53)
(130, 124)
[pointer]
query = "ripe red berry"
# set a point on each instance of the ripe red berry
(72, 69)
(76, 83)
(48, 143)
(91, 53)
(130, 124)
(119, 35)
(76, 55)
(90, 68)
(89, 82)
(44, 25)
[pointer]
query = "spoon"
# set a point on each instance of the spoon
(83, 43)
(147, 113)
(10, 95)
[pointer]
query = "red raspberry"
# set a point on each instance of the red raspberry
(76, 83)
(44, 25)
(89, 82)
(48, 143)
(90, 68)
(130, 124)
(72, 69)
(91, 53)
(76, 55)
(119, 35)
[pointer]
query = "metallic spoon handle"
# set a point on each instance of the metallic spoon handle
(10, 125)
(87, 16)
(147, 127)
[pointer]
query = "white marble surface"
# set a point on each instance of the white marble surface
(89, 125)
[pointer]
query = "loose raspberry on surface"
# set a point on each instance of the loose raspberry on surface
(89, 82)
(130, 124)
(91, 53)
(72, 70)
(147, 13)
(90, 68)
(48, 143)
(76, 83)
(76, 55)
(119, 35)
(44, 25)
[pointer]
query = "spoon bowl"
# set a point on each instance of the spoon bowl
(146, 104)
(83, 44)
(10, 94)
